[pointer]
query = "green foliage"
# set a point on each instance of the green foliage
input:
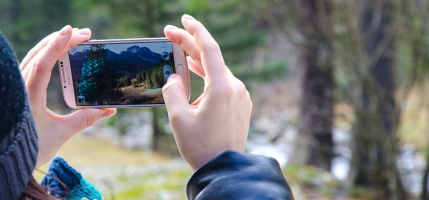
(159, 74)
(23, 23)
(134, 82)
(148, 81)
(263, 73)
(173, 181)
(154, 79)
(124, 81)
(197, 5)
(232, 25)
(138, 18)
(140, 77)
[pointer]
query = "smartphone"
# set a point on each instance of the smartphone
(119, 73)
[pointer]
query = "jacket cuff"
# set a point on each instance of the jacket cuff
(235, 175)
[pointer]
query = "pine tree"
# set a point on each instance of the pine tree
(148, 80)
(97, 80)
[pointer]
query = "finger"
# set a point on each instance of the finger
(211, 56)
(43, 62)
(24, 67)
(85, 118)
(184, 39)
(175, 97)
(35, 50)
(194, 68)
(78, 36)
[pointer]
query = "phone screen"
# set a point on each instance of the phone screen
(121, 73)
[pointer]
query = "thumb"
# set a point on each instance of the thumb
(87, 117)
(174, 95)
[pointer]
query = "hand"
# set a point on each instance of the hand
(54, 130)
(219, 119)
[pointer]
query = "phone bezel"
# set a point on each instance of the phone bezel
(67, 85)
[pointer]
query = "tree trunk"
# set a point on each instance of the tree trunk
(425, 187)
(159, 134)
(315, 143)
(377, 113)
(158, 130)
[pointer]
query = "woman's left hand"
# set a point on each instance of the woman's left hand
(54, 130)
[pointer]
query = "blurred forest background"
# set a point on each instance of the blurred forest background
(339, 91)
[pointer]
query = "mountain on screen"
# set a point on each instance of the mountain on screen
(130, 61)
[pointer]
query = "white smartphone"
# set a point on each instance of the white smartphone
(119, 73)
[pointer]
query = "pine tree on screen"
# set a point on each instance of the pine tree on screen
(97, 78)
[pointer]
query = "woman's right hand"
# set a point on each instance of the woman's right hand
(55, 130)
(219, 119)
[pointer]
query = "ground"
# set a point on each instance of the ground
(125, 174)
(142, 95)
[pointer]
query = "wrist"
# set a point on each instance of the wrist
(207, 157)
(204, 159)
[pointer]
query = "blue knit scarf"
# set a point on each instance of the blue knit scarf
(64, 182)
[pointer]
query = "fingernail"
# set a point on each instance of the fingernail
(65, 30)
(188, 17)
(170, 27)
(171, 77)
(109, 113)
(84, 31)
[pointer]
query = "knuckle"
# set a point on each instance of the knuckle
(196, 27)
(235, 88)
(178, 118)
(225, 90)
(168, 88)
(241, 88)
(199, 25)
(55, 48)
(175, 118)
(32, 52)
(38, 67)
(90, 121)
(211, 47)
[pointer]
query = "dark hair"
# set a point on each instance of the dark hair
(33, 191)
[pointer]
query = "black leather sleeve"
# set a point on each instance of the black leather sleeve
(234, 175)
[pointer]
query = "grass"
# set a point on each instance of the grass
(82, 151)
(138, 95)
(125, 174)
(164, 184)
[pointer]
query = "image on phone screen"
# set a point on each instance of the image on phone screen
(121, 73)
